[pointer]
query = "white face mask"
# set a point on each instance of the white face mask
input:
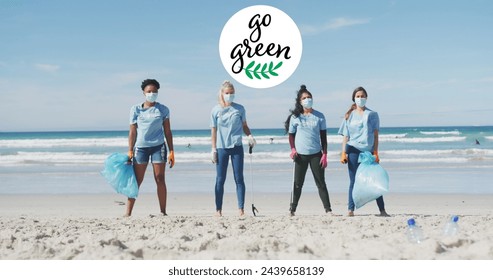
(360, 102)
(307, 103)
(151, 96)
(228, 98)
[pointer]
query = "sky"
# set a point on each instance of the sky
(78, 65)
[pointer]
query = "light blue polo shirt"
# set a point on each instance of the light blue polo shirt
(150, 131)
(307, 129)
(228, 122)
(360, 129)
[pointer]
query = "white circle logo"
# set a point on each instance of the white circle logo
(260, 46)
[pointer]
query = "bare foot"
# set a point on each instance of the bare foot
(242, 212)
(219, 213)
(350, 214)
(291, 213)
(383, 214)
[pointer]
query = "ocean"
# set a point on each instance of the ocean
(418, 160)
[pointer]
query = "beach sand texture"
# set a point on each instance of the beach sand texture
(92, 227)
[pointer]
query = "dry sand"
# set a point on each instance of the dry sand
(46, 227)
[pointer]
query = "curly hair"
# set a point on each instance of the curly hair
(147, 82)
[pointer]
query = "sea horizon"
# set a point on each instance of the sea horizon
(431, 159)
(208, 129)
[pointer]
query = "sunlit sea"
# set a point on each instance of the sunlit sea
(418, 160)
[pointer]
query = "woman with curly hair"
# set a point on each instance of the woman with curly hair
(149, 127)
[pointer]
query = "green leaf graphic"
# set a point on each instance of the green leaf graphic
(250, 65)
(262, 70)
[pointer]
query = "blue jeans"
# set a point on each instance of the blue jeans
(353, 165)
(237, 159)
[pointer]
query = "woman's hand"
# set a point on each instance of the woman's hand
(377, 158)
(171, 159)
(323, 161)
(251, 141)
(214, 155)
(293, 154)
(343, 158)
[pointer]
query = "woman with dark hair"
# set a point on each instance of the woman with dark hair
(308, 140)
(149, 126)
(360, 130)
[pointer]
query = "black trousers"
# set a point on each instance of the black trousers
(301, 166)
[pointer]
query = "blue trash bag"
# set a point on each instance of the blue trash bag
(371, 182)
(120, 174)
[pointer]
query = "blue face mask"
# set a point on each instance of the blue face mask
(360, 102)
(228, 98)
(151, 96)
(307, 103)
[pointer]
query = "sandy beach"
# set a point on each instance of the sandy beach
(91, 227)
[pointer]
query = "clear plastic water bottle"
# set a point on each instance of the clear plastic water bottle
(414, 232)
(451, 227)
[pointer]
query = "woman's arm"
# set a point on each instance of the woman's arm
(343, 153)
(246, 129)
(213, 137)
(375, 145)
(169, 139)
(323, 139)
(132, 136)
(168, 134)
(214, 147)
(251, 140)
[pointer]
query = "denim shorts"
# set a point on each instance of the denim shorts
(157, 154)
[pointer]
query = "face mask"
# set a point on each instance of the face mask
(228, 98)
(307, 103)
(360, 102)
(151, 96)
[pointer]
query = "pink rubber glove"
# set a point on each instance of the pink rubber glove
(323, 161)
(293, 153)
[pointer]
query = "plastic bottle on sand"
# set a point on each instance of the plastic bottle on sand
(414, 232)
(451, 227)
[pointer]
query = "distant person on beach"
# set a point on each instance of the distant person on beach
(149, 126)
(360, 130)
(308, 141)
(228, 123)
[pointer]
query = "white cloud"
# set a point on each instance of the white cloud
(334, 24)
(51, 68)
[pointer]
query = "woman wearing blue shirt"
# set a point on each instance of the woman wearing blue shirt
(149, 126)
(308, 140)
(360, 130)
(228, 123)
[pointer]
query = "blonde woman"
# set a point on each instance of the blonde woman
(228, 123)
